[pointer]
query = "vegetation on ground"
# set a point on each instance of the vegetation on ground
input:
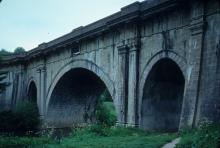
(94, 136)
(24, 142)
(207, 135)
(20, 120)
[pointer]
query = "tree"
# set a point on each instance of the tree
(4, 52)
(19, 50)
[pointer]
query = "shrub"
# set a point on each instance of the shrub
(105, 111)
(207, 135)
(23, 118)
(104, 117)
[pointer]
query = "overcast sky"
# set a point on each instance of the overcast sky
(27, 23)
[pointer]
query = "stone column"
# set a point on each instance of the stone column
(122, 82)
(21, 88)
(194, 59)
(43, 87)
(41, 91)
(132, 85)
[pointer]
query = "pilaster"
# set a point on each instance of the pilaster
(41, 90)
(122, 88)
(191, 95)
(132, 85)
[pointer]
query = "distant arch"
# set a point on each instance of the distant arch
(32, 91)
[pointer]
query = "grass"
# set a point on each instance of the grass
(12, 142)
(94, 137)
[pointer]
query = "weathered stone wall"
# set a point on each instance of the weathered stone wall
(15, 91)
(209, 94)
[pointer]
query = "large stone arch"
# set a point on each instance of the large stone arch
(73, 83)
(177, 60)
(86, 64)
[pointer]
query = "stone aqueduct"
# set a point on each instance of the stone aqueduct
(159, 60)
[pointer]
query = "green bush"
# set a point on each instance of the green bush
(105, 111)
(23, 118)
(207, 135)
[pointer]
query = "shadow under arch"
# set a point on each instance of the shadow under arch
(162, 92)
(73, 95)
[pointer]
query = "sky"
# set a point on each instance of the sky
(28, 23)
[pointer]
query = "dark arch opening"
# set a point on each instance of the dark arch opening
(163, 96)
(75, 98)
(32, 92)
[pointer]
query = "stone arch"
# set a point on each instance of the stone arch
(177, 61)
(86, 65)
(32, 91)
(77, 85)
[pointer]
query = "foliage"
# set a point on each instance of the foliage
(105, 111)
(19, 50)
(105, 96)
(4, 52)
(22, 119)
(207, 135)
